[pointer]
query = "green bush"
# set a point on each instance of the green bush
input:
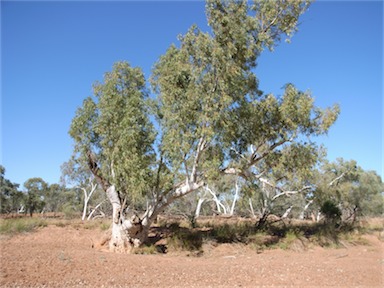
(185, 239)
(331, 212)
(14, 226)
(70, 212)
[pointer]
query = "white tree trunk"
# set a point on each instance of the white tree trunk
(318, 217)
(87, 196)
(85, 208)
(21, 209)
(302, 214)
(94, 210)
(130, 233)
(251, 207)
(198, 207)
(286, 213)
(219, 205)
(125, 233)
(235, 198)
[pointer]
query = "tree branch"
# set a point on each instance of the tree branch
(256, 159)
(200, 148)
(290, 192)
(93, 166)
(336, 179)
(218, 203)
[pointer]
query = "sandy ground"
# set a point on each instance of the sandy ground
(64, 257)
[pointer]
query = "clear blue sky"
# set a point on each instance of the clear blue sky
(52, 52)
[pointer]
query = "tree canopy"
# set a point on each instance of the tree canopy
(114, 128)
(207, 118)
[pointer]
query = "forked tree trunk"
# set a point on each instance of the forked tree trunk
(131, 233)
(126, 233)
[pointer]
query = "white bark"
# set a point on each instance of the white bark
(198, 207)
(302, 214)
(286, 193)
(185, 188)
(251, 207)
(282, 192)
(235, 197)
(200, 148)
(216, 200)
(286, 213)
(115, 201)
(93, 211)
(318, 216)
(120, 240)
(87, 196)
(21, 209)
(336, 179)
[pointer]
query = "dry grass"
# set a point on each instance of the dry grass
(179, 236)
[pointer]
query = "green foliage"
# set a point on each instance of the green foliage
(146, 250)
(71, 211)
(229, 232)
(207, 90)
(356, 191)
(331, 212)
(20, 225)
(244, 30)
(185, 239)
(209, 111)
(11, 199)
(36, 188)
(114, 127)
(297, 235)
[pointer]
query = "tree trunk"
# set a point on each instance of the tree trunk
(235, 198)
(263, 220)
(131, 233)
(302, 214)
(94, 210)
(251, 207)
(286, 213)
(87, 196)
(126, 234)
(198, 208)
(84, 209)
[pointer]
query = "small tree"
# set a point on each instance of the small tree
(11, 199)
(354, 190)
(80, 178)
(36, 188)
(331, 212)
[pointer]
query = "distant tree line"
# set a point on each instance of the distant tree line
(37, 196)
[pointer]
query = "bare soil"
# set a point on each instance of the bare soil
(66, 257)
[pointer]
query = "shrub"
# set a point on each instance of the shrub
(185, 239)
(331, 212)
(20, 225)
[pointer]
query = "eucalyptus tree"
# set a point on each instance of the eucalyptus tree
(80, 178)
(11, 199)
(36, 189)
(208, 111)
(113, 137)
(209, 105)
(354, 190)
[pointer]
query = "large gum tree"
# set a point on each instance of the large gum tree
(208, 114)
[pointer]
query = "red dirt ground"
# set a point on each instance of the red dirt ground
(63, 257)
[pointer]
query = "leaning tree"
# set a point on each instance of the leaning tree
(208, 111)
